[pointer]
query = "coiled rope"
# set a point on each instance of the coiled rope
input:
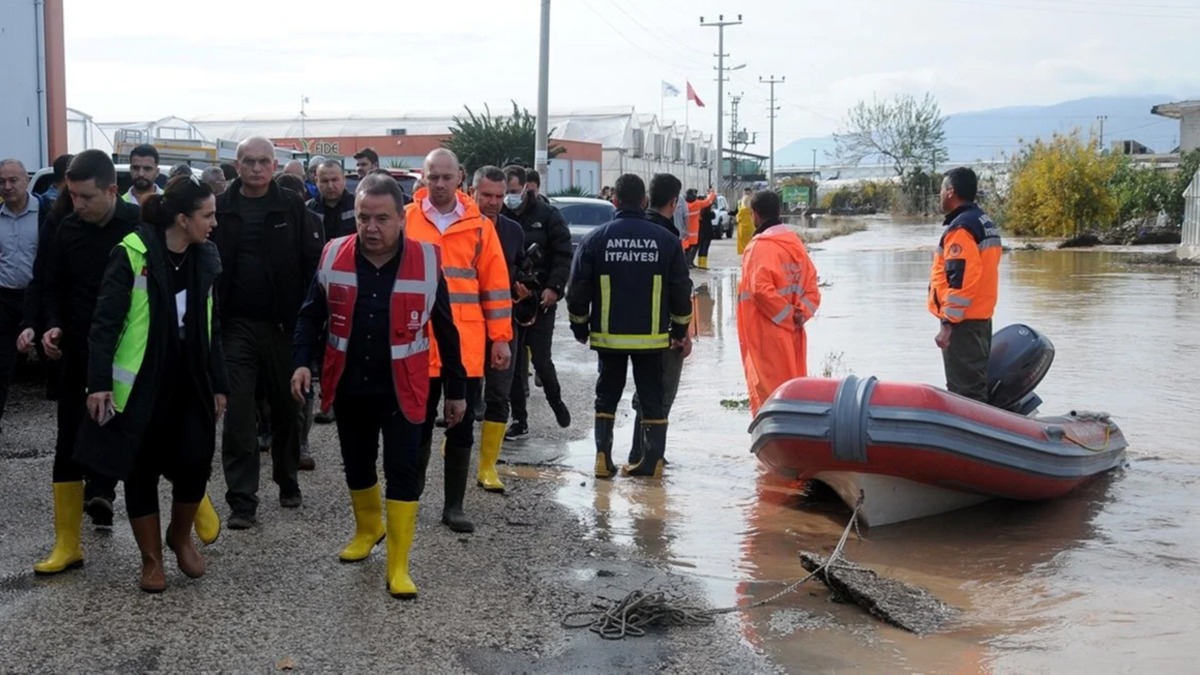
(639, 610)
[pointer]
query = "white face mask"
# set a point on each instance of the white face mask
(514, 200)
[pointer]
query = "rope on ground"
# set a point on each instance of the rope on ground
(639, 610)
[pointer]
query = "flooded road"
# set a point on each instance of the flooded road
(1105, 580)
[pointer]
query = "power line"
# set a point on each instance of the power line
(771, 165)
(720, 25)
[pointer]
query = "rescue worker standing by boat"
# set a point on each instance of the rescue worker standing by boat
(480, 299)
(156, 372)
(631, 297)
(778, 293)
(380, 293)
(963, 285)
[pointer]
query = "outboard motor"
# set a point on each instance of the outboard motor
(1020, 358)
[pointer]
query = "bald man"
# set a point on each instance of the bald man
(269, 253)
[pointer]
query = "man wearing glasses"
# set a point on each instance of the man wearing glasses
(269, 252)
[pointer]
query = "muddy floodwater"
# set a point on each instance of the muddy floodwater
(1104, 580)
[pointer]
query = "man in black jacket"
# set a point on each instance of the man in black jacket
(544, 226)
(333, 205)
(269, 251)
(488, 192)
(72, 268)
(643, 264)
(665, 192)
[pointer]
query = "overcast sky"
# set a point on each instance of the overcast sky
(143, 60)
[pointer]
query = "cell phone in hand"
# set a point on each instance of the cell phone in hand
(109, 413)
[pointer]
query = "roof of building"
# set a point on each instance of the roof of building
(1177, 109)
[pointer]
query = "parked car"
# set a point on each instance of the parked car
(722, 219)
(583, 215)
(42, 179)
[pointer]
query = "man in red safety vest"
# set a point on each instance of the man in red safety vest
(380, 293)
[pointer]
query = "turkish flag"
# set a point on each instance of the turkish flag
(693, 97)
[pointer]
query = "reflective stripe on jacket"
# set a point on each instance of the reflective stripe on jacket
(965, 276)
(777, 294)
(476, 276)
(412, 300)
(131, 347)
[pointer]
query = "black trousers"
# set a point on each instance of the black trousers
(254, 347)
(648, 377)
(706, 237)
(179, 445)
(966, 359)
(72, 411)
(12, 303)
(539, 339)
(498, 385)
(361, 419)
(461, 435)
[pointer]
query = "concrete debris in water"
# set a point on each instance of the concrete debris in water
(903, 605)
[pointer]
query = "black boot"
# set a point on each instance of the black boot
(458, 462)
(635, 449)
(604, 441)
(654, 441)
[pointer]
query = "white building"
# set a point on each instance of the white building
(1188, 114)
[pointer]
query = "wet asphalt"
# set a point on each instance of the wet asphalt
(276, 598)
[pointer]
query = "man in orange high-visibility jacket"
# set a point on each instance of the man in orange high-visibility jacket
(480, 300)
(694, 206)
(963, 285)
(777, 295)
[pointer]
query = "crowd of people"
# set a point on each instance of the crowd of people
(259, 302)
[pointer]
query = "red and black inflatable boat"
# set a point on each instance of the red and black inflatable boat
(913, 450)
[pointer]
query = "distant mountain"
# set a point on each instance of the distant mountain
(986, 134)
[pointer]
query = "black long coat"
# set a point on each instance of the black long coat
(111, 449)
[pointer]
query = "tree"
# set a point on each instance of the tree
(479, 140)
(1140, 191)
(1060, 187)
(1189, 163)
(903, 132)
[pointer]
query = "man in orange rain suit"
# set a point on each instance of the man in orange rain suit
(777, 294)
(480, 300)
(963, 285)
(694, 206)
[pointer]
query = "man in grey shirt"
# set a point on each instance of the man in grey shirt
(20, 219)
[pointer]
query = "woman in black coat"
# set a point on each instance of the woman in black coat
(165, 425)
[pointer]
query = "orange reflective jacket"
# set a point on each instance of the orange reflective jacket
(694, 209)
(777, 294)
(965, 275)
(476, 277)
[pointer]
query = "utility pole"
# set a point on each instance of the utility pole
(541, 159)
(303, 100)
(720, 25)
(771, 165)
(735, 100)
(1101, 118)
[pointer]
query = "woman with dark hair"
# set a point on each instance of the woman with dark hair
(156, 372)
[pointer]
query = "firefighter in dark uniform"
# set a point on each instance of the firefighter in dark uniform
(643, 265)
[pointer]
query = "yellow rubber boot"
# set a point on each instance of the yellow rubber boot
(368, 524)
(703, 262)
(491, 437)
(68, 524)
(401, 525)
(208, 523)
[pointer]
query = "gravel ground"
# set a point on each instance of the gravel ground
(276, 598)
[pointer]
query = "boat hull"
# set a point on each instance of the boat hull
(892, 439)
